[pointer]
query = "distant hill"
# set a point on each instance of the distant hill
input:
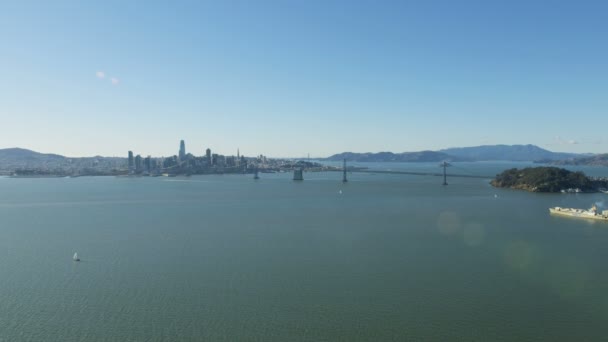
(508, 153)
(476, 153)
(21, 155)
(422, 156)
(596, 160)
(12, 159)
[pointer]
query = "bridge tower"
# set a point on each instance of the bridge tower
(445, 165)
(344, 180)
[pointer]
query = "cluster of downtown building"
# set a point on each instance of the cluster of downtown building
(187, 163)
(41, 165)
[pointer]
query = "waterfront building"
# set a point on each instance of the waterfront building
(220, 160)
(208, 154)
(261, 159)
(170, 162)
(214, 159)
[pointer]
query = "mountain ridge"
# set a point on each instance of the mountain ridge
(421, 156)
(474, 153)
(527, 152)
(21, 156)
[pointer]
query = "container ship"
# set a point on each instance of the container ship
(591, 213)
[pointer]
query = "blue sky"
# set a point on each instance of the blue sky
(288, 78)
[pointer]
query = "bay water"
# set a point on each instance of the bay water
(228, 258)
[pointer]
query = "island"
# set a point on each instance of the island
(548, 179)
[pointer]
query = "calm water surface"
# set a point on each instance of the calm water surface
(227, 258)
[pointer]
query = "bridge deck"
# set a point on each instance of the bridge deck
(422, 173)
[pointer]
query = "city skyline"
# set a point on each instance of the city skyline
(288, 79)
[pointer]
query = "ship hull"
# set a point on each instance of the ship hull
(578, 214)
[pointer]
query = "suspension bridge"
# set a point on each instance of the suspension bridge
(463, 173)
(421, 173)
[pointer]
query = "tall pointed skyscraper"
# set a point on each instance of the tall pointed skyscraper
(182, 150)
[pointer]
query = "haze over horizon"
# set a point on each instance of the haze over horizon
(286, 79)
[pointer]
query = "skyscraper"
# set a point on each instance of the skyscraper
(131, 162)
(208, 153)
(138, 164)
(148, 163)
(182, 150)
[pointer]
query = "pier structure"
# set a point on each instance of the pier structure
(298, 174)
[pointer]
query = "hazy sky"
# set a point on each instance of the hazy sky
(287, 78)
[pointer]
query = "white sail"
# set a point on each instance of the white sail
(75, 257)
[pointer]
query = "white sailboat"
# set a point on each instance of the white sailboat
(76, 258)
